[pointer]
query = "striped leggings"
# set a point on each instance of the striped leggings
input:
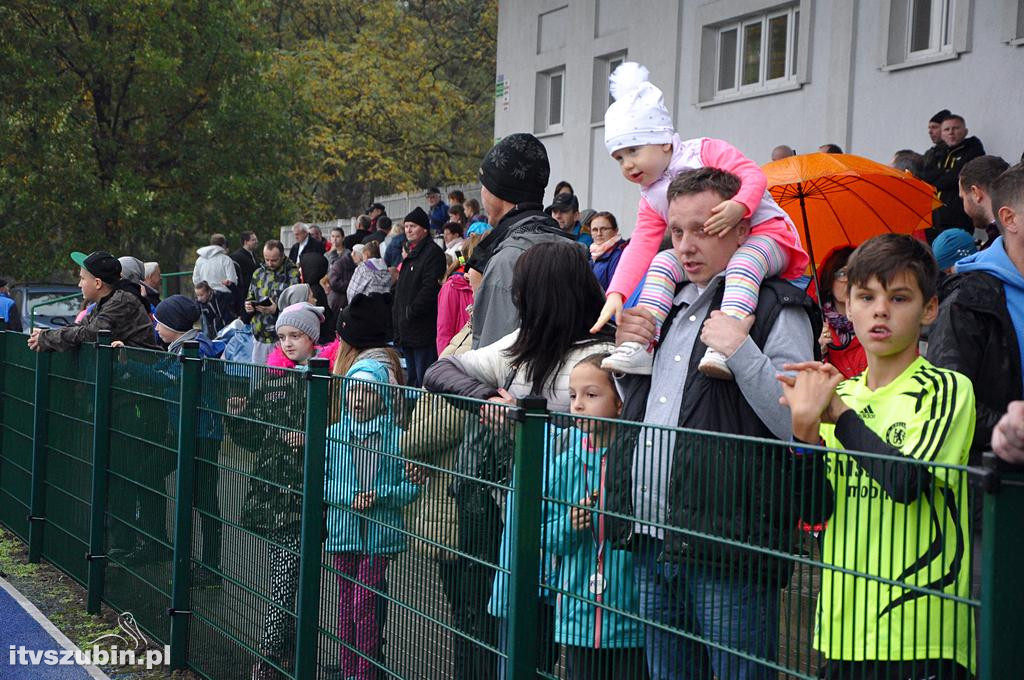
(754, 261)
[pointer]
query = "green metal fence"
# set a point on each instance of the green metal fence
(228, 507)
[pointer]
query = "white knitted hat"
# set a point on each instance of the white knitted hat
(638, 115)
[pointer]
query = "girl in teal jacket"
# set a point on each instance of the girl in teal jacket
(595, 581)
(366, 487)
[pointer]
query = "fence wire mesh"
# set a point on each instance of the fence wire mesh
(658, 547)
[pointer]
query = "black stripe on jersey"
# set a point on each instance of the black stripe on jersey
(935, 550)
(940, 419)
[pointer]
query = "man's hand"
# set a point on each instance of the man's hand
(492, 416)
(724, 217)
(579, 518)
(724, 333)
(1008, 435)
(268, 309)
(33, 340)
(635, 325)
(227, 284)
(811, 397)
(825, 338)
(612, 307)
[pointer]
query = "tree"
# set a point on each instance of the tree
(138, 127)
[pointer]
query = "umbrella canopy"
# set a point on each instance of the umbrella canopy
(835, 199)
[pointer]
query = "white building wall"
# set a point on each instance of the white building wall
(844, 97)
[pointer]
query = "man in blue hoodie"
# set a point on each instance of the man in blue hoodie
(980, 328)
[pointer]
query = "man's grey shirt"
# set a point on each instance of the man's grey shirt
(789, 341)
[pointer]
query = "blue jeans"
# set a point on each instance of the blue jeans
(738, 615)
(417, 361)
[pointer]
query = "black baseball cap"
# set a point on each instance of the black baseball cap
(376, 206)
(563, 203)
(433, 190)
(100, 264)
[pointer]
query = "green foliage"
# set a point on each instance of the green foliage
(141, 126)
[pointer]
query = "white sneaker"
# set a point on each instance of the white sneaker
(713, 365)
(630, 357)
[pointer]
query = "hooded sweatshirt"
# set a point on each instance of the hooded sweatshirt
(214, 266)
(452, 313)
(996, 262)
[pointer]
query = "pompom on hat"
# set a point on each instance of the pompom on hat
(638, 115)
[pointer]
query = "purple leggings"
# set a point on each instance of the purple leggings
(357, 612)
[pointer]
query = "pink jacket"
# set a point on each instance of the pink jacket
(452, 301)
(765, 215)
(277, 358)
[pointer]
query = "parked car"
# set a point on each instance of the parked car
(48, 314)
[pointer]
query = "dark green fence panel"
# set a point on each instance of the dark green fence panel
(68, 459)
(145, 389)
(16, 446)
(432, 526)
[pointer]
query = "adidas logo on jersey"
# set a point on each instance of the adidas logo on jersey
(868, 412)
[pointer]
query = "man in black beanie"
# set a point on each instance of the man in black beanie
(930, 163)
(513, 175)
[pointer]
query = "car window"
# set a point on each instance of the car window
(63, 308)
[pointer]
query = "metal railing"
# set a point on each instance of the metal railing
(165, 281)
(224, 506)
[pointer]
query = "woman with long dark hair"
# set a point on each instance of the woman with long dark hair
(555, 293)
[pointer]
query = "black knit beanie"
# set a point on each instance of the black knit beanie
(516, 169)
(362, 323)
(418, 216)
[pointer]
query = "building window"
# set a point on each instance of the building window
(924, 31)
(604, 66)
(550, 100)
(928, 28)
(758, 52)
(1013, 22)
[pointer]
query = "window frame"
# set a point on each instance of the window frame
(953, 25)
(714, 20)
(763, 83)
(542, 113)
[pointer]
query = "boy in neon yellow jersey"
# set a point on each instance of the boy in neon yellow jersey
(902, 527)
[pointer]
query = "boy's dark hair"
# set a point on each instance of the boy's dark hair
(457, 209)
(1008, 190)
(472, 204)
(457, 195)
(885, 256)
(982, 171)
(203, 285)
(454, 227)
(246, 235)
(723, 183)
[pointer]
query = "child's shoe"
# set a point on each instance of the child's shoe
(713, 365)
(630, 357)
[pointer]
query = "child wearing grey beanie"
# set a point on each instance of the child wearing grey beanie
(303, 316)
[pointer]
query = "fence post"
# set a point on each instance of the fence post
(181, 574)
(1001, 655)
(307, 608)
(531, 416)
(97, 555)
(3, 359)
(37, 498)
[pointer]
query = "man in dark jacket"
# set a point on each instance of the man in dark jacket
(119, 308)
(415, 306)
(944, 174)
(246, 264)
(513, 175)
(438, 210)
(979, 329)
(748, 498)
(304, 243)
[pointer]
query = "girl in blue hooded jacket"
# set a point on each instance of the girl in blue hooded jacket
(595, 580)
(366, 487)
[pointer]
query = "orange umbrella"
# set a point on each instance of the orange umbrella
(840, 198)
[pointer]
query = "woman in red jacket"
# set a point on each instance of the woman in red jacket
(839, 344)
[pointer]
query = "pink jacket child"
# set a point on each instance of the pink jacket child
(639, 135)
(452, 308)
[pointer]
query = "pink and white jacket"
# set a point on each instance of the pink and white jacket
(766, 217)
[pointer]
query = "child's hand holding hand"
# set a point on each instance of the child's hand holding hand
(811, 397)
(579, 518)
(612, 308)
(724, 217)
(364, 500)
